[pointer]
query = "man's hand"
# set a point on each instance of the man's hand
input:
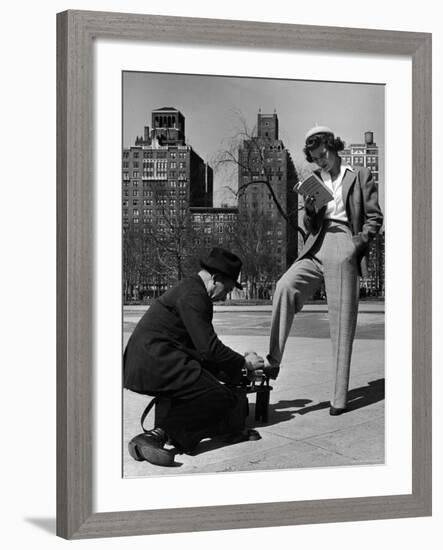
(310, 205)
(254, 365)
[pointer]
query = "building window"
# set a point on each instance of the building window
(135, 193)
(135, 154)
(135, 174)
(125, 154)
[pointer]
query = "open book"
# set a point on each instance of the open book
(314, 185)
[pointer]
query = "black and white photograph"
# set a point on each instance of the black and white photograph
(253, 274)
(224, 238)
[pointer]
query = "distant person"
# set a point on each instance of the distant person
(335, 252)
(174, 353)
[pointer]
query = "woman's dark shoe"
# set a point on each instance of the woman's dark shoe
(271, 372)
(335, 412)
(149, 446)
(271, 368)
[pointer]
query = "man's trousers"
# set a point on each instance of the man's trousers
(334, 260)
(206, 408)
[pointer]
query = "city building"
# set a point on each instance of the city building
(374, 283)
(162, 178)
(161, 170)
(364, 154)
(367, 154)
(266, 177)
(214, 226)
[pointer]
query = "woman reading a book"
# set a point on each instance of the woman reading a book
(334, 252)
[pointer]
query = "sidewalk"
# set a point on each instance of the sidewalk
(364, 306)
(300, 432)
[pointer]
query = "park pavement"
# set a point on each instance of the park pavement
(299, 433)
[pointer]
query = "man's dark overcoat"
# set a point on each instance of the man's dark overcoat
(174, 340)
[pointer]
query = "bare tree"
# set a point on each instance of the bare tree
(160, 249)
(248, 154)
(254, 241)
(132, 262)
(171, 235)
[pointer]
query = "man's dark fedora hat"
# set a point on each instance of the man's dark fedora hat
(222, 261)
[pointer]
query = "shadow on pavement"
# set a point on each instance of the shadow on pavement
(210, 445)
(357, 398)
(283, 411)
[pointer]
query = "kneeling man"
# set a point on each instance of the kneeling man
(174, 353)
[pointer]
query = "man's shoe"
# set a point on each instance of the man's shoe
(335, 412)
(150, 447)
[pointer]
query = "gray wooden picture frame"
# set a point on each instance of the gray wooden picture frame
(76, 32)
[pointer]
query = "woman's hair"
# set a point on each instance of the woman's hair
(328, 140)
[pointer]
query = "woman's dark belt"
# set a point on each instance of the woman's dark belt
(339, 222)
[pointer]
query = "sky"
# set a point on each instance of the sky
(214, 105)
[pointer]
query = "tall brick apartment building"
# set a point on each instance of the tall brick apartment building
(266, 168)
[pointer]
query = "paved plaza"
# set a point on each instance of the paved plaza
(299, 433)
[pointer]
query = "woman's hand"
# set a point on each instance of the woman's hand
(310, 205)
